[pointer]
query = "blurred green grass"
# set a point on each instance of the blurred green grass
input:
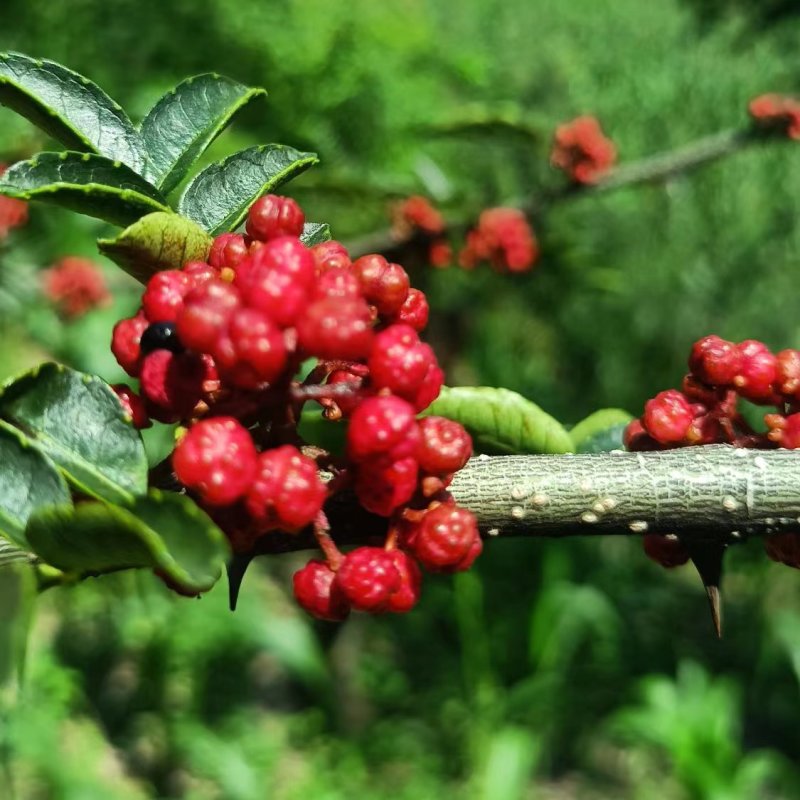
(557, 669)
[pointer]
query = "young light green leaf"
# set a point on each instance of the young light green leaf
(29, 480)
(70, 108)
(77, 420)
(85, 183)
(184, 122)
(17, 600)
(163, 531)
(501, 421)
(315, 233)
(157, 242)
(601, 431)
(218, 197)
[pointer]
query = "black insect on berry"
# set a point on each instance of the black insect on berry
(161, 336)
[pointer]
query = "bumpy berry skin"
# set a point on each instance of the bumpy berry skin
(317, 592)
(252, 352)
(368, 578)
(784, 431)
(667, 416)
(446, 539)
(126, 343)
(330, 255)
(274, 292)
(383, 485)
(336, 329)
(200, 272)
(347, 404)
(216, 458)
(407, 596)
(133, 404)
(382, 426)
(757, 372)
(287, 492)
(385, 285)
(289, 256)
(429, 388)
(163, 297)
(665, 550)
(399, 361)
(272, 216)
(173, 382)
(715, 361)
(787, 377)
(161, 336)
(341, 284)
(444, 446)
(205, 315)
(227, 250)
(414, 311)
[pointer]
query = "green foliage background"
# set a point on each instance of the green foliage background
(569, 669)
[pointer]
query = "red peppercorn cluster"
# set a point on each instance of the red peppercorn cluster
(13, 212)
(417, 215)
(218, 346)
(504, 239)
(75, 286)
(582, 151)
(776, 112)
(706, 411)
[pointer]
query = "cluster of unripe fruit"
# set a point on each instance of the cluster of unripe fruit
(234, 347)
(706, 411)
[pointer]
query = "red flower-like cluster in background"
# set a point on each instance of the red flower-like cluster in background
(218, 345)
(582, 151)
(75, 286)
(776, 112)
(502, 238)
(13, 212)
(416, 214)
(706, 411)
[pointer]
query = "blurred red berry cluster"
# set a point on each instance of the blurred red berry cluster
(503, 239)
(75, 286)
(776, 112)
(13, 212)
(582, 151)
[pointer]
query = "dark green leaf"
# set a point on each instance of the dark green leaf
(77, 420)
(17, 599)
(501, 421)
(218, 197)
(70, 108)
(85, 183)
(156, 242)
(601, 431)
(10, 553)
(164, 531)
(315, 233)
(29, 480)
(184, 122)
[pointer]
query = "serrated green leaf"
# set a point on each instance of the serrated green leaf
(70, 108)
(163, 531)
(29, 480)
(315, 233)
(86, 183)
(184, 122)
(77, 420)
(156, 242)
(17, 600)
(601, 431)
(218, 197)
(501, 421)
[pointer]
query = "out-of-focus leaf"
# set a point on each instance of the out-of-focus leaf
(29, 480)
(501, 421)
(163, 531)
(601, 431)
(17, 597)
(315, 233)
